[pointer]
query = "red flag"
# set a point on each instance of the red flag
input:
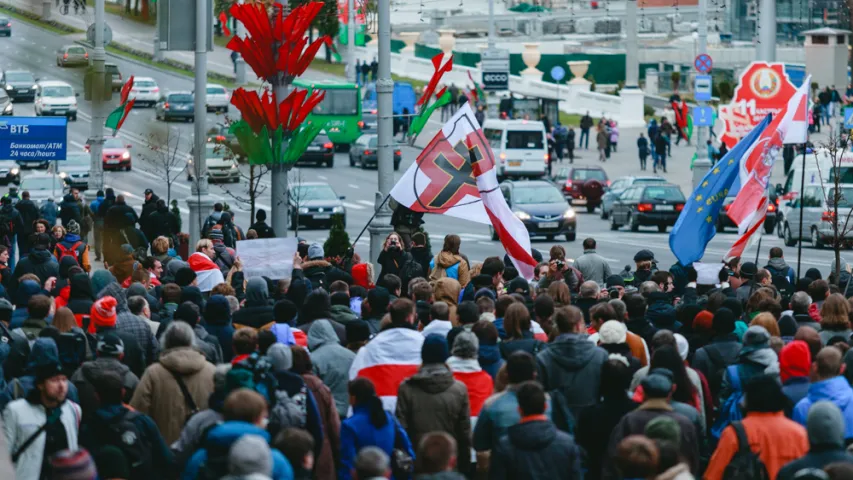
(223, 19)
(125, 90)
(433, 82)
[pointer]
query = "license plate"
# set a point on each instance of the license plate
(322, 216)
(24, 90)
(60, 112)
(514, 164)
(664, 208)
(549, 225)
(112, 162)
(313, 148)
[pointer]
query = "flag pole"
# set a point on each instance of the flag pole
(370, 220)
(799, 199)
(760, 236)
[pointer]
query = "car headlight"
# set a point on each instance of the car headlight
(233, 166)
(35, 87)
(125, 155)
(8, 108)
(522, 215)
(303, 210)
(62, 174)
(338, 210)
(9, 87)
(15, 171)
(570, 213)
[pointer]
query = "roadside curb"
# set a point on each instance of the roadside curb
(33, 19)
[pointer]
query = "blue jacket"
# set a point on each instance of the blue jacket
(490, 359)
(225, 334)
(796, 389)
(357, 432)
(219, 441)
(661, 313)
(94, 206)
(48, 212)
(835, 390)
(498, 414)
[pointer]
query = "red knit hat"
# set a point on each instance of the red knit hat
(103, 312)
(362, 275)
(703, 321)
(795, 360)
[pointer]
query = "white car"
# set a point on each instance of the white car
(145, 91)
(42, 186)
(55, 98)
(218, 99)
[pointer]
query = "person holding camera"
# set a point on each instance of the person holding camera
(559, 269)
(393, 256)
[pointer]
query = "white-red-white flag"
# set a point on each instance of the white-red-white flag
(207, 273)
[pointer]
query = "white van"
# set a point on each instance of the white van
(520, 147)
(55, 98)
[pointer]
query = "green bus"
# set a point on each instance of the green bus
(341, 109)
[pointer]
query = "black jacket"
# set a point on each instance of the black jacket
(149, 207)
(641, 327)
(536, 450)
(13, 221)
(134, 356)
(422, 255)
(119, 216)
(315, 270)
(160, 222)
(818, 457)
(391, 262)
(712, 360)
(661, 313)
(39, 262)
(572, 365)
(69, 210)
(594, 426)
(263, 230)
(29, 214)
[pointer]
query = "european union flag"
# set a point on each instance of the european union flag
(696, 225)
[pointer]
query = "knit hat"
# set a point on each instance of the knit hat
(73, 227)
(315, 252)
(724, 321)
(217, 311)
(284, 311)
(485, 292)
(362, 275)
(434, 349)
(215, 233)
(357, 331)
(614, 281)
(280, 356)
(703, 321)
(77, 465)
(755, 338)
(748, 269)
(825, 425)
(466, 345)
(664, 428)
(112, 463)
(261, 215)
(735, 306)
(110, 345)
(518, 285)
(683, 345)
(103, 312)
(612, 332)
(250, 455)
(787, 327)
(43, 360)
(658, 383)
(184, 277)
(795, 360)
(186, 312)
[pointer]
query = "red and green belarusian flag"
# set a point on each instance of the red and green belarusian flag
(117, 117)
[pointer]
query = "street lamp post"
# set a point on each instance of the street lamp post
(96, 135)
(702, 163)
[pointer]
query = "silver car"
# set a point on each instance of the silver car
(74, 170)
(817, 205)
(42, 186)
(221, 167)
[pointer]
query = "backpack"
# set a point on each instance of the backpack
(745, 464)
(289, 412)
(782, 284)
(72, 347)
(124, 433)
(729, 412)
(69, 252)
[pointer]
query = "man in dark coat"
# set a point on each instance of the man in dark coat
(534, 448)
(69, 210)
(150, 205)
(160, 222)
(261, 227)
(39, 262)
(29, 214)
(11, 225)
(712, 359)
(119, 216)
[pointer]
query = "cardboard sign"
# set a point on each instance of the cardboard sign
(267, 257)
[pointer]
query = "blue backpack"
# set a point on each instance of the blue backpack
(450, 272)
(730, 410)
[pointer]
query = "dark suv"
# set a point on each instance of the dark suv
(583, 185)
(541, 207)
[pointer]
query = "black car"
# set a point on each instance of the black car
(315, 204)
(724, 221)
(647, 205)
(541, 207)
(6, 107)
(363, 152)
(19, 85)
(10, 172)
(320, 151)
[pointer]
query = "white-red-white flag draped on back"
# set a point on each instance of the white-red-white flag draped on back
(455, 175)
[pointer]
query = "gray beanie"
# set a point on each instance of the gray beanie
(315, 252)
(280, 356)
(825, 425)
(250, 455)
(466, 345)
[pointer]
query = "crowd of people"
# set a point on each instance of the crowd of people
(422, 365)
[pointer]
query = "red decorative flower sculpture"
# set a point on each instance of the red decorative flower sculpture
(263, 110)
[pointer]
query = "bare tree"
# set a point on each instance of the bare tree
(296, 195)
(163, 156)
(833, 195)
(251, 179)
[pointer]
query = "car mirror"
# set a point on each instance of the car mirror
(342, 197)
(129, 146)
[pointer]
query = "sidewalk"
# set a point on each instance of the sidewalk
(139, 36)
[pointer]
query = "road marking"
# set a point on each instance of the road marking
(322, 177)
(367, 202)
(353, 206)
(352, 185)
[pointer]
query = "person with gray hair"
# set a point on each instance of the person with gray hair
(800, 302)
(648, 287)
(160, 394)
(233, 302)
(250, 457)
(372, 464)
(825, 428)
(466, 368)
(280, 357)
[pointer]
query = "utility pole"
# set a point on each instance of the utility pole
(352, 75)
(278, 172)
(380, 227)
(702, 163)
(240, 64)
(632, 65)
(766, 49)
(199, 200)
(492, 101)
(45, 10)
(158, 54)
(96, 137)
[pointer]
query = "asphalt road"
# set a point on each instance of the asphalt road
(33, 49)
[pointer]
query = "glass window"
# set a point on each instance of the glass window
(537, 194)
(144, 83)
(628, 195)
(846, 174)
(305, 193)
(589, 174)
(213, 151)
(113, 143)
(181, 98)
(57, 92)
(216, 90)
(374, 141)
(20, 77)
(40, 183)
(493, 135)
(77, 159)
(812, 197)
(370, 93)
(845, 200)
(522, 139)
(77, 50)
(619, 184)
(670, 194)
(338, 102)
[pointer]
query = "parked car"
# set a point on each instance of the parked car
(42, 186)
(217, 99)
(145, 90)
(219, 134)
(6, 106)
(315, 204)
(221, 166)
(320, 151)
(115, 75)
(618, 186)
(116, 155)
(5, 26)
(817, 205)
(10, 172)
(647, 205)
(723, 220)
(70, 55)
(583, 184)
(175, 105)
(19, 85)
(363, 152)
(56, 98)
(541, 207)
(74, 170)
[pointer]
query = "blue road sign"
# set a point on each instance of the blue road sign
(558, 73)
(702, 88)
(33, 139)
(703, 63)
(848, 117)
(703, 116)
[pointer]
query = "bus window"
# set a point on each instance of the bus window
(338, 102)
(493, 135)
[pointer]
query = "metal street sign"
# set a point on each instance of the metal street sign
(558, 73)
(108, 34)
(848, 117)
(176, 23)
(33, 139)
(703, 116)
(703, 63)
(494, 63)
(702, 88)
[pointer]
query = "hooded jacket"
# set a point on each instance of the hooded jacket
(315, 270)
(48, 211)
(826, 442)
(88, 374)
(159, 396)
(160, 222)
(218, 324)
(25, 291)
(358, 432)
(10, 216)
(712, 360)
(430, 401)
(490, 359)
(777, 266)
(70, 210)
(441, 267)
(572, 365)
(257, 312)
(219, 441)
(331, 362)
(342, 314)
(835, 390)
(535, 449)
(661, 313)
(39, 262)
(447, 290)
(423, 256)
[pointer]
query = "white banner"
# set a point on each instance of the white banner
(267, 257)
